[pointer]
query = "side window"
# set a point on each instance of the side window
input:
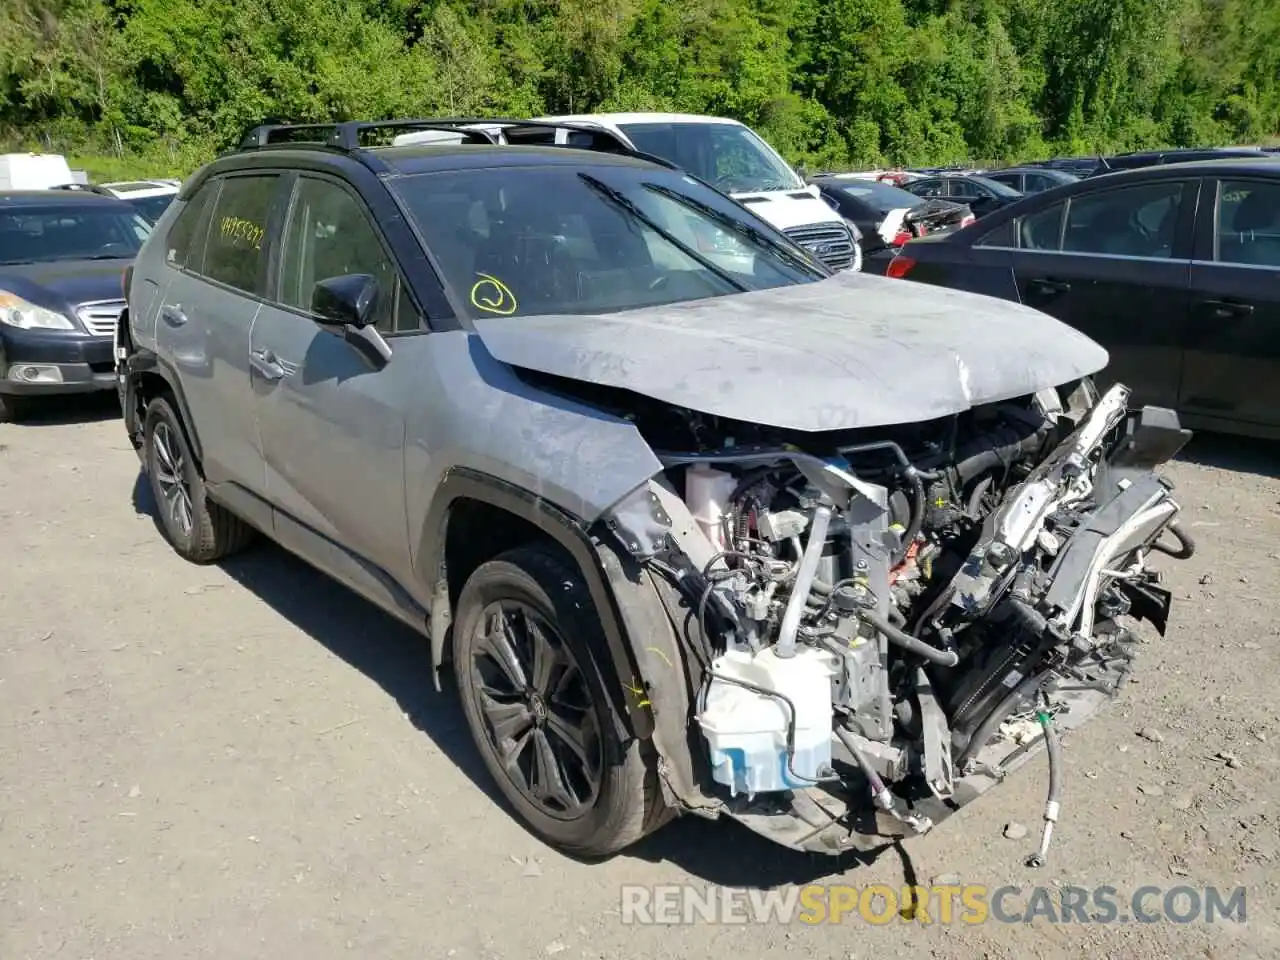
(184, 246)
(960, 190)
(1002, 236)
(1041, 230)
(930, 188)
(1138, 221)
(237, 233)
(329, 235)
(1249, 222)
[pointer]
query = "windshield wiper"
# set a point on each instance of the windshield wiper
(735, 226)
(625, 203)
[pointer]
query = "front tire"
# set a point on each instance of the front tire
(199, 530)
(530, 666)
(12, 409)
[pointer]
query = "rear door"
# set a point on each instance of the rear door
(203, 324)
(1232, 367)
(1115, 264)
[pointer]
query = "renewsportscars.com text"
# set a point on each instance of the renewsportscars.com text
(881, 904)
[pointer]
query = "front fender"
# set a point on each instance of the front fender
(589, 555)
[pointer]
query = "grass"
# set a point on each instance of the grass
(109, 169)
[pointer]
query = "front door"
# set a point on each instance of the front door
(1114, 264)
(1232, 370)
(329, 419)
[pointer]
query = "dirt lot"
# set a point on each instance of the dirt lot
(247, 761)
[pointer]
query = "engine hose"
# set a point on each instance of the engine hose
(786, 645)
(1187, 546)
(943, 658)
(873, 778)
(1052, 805)
(990, 456)
(975, 498)
(917, 517)
(997, 716)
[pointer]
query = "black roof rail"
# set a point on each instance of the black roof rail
(347, 135)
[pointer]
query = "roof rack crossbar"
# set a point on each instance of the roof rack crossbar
(346, 135)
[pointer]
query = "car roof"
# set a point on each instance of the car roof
(640, 117)
(140, 187)
(428, 158)
(52, 198)
(1024, 169)
(1236, 165)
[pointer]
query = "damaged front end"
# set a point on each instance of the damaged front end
(876, 626)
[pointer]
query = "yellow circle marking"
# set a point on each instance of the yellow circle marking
(493, 296)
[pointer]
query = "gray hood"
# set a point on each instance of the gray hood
(849, 351)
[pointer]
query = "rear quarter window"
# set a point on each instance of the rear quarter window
(184, 246)
(236, 244)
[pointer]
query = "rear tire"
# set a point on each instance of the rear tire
(199, 530)
(529, 659)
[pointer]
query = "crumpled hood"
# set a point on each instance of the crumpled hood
(849, 351)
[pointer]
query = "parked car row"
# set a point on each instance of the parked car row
(1174, 268)
(62, 256)
(886, 216)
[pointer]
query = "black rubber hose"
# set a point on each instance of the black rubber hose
(873, 778)
(979, 737)
(990, 457)
(1187, 546)
(943, 658)
(1053, 804)
(917, 517)
(1054, 744)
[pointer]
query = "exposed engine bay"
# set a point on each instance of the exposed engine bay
(885, 620)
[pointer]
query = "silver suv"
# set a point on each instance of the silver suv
(700, 526)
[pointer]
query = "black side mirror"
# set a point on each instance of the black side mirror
(348, 301)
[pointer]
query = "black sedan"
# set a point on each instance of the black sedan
(1175, 269)
(62, 260)
(888, 216)
(1031, 179)
(981, 194)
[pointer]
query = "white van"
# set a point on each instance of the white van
(726, 154)
(34, 171)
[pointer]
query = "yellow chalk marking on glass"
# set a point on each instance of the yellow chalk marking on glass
(493, 296)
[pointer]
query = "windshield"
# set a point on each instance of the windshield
(728, 156)
(524, 241)
(67, 232)
(151, 207)
(881, 196)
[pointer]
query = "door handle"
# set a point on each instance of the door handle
(1047, 288)
(265, 362)
(172, 314)
(1227, 309)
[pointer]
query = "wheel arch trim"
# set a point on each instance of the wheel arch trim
(143, 361)
(590, 556)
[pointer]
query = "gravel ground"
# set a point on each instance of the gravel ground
(248, 761)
